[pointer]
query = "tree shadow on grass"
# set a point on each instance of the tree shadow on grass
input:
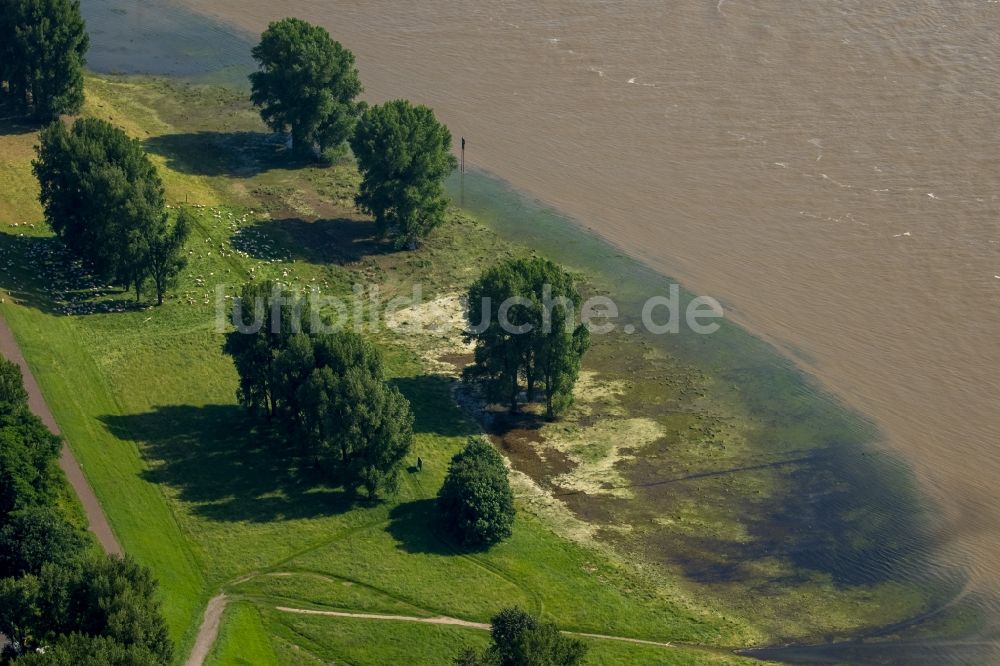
(38, 271)
(225, 466)
(233, 154)
(416, 528)
(341, 240)
(432, 405)
(12, 124)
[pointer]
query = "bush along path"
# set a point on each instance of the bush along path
(96, 520)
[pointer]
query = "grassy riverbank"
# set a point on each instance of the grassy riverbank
(635, 511)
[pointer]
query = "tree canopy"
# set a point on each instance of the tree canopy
(307, 84)
(12, 391)
(352, 416)
(84, 650)
(475, 501)
(107, 596)
(28, 451)
(43, 47)
(325, 392)
(519, 639)
(49, 588)
(521, 315)
(404, 155)
(264, 331)
(103, 197)
(36, 535)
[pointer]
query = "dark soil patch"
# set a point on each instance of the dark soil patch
(459, 361)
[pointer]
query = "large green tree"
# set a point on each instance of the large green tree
(307, 84)
(352, 416)
(266, 318)
(475, 502)
(43, 47)
(521, 314)
(404, 155)
(520, 639)
(107, 596)
(104, 198)
(166, 257)
(325, 392)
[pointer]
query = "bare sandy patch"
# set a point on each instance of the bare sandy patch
(433, 329)
(593, 394)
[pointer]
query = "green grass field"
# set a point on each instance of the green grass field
(146, 400)
(243, 639)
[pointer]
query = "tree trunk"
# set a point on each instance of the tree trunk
(530, 377)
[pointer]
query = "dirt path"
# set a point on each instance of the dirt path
(96, 520)
(208, 631)
(451, 621)
(440, 619)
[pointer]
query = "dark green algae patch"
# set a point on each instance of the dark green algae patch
(763, 492)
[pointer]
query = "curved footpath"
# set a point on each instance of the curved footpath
(96, 520)
(455, 622)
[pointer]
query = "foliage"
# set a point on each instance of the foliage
(266, 317)
(43, 46)
(476, 501)
(12, 391)
(519, 639)
(307, 83)
(103, 197)
(28, 452)
(36, 535)
(348, 413)
(521, 315)
(166, 260)
(84, 650)
(358, 420)
(107, 596)
(403, 154)
(325, 390)
(20, 614)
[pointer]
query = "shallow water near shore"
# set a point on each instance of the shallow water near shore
(849, 491)
(852, 510)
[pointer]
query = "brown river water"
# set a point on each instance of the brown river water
(829, 170)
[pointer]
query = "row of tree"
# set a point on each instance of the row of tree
(43, 48)
(60, 602)
(308, 84)
(103, 197)
(326, 393)
(521, 316)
